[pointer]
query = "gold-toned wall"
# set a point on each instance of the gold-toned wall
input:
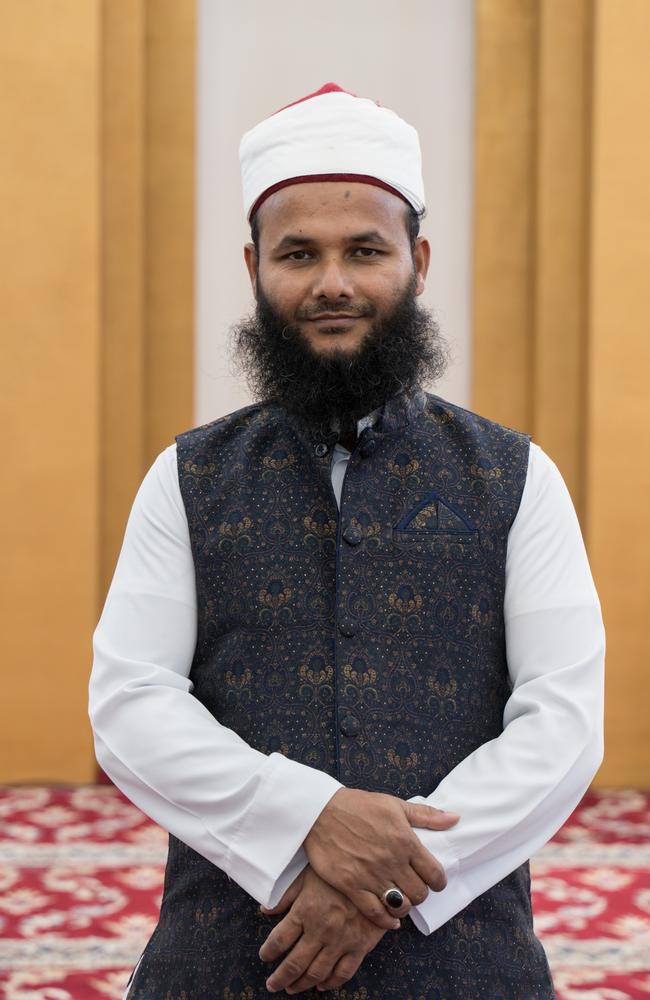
(618, 388)
(50, 262)
(148, 147)
(97, 112)
(562, 297)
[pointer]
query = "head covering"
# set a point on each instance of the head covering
(331, 135)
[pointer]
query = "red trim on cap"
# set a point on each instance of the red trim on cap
(327, 88)
(314, 178)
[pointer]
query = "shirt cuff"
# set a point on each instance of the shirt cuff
(291, 872)
(266, 852)
(426, 916)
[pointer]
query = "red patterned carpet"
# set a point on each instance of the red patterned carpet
(81, 876)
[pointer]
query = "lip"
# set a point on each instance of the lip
(335, 319)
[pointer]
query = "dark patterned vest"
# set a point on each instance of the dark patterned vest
(368, 644)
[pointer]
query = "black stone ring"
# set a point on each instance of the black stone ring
(393, 898)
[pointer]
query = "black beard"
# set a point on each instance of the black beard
(401, 350)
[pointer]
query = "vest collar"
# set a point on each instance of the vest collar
(400, 411)
(394, 416)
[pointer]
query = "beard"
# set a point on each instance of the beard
(401, 350)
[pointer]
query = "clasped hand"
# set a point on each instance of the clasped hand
(335, 913)
(326, 937)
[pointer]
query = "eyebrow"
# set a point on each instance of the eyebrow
(371, 236)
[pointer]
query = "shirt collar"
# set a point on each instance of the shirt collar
(364, 422)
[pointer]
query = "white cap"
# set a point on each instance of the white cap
(331, 135)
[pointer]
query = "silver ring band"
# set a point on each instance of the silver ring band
(393, 898)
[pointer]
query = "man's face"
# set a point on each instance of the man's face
(337, 330)
(334, 258)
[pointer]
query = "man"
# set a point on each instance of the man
(340, 611)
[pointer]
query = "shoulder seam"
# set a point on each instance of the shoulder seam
(478, 416)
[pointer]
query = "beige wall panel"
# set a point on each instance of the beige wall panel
(531, 222)
(96, 257)
(561, 236)
(123, 247)
(147, 248)
(507, 39)
(572, 367)
(618, 478)
(50, 387)
(169, 213)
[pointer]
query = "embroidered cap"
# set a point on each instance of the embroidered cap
(331, 135)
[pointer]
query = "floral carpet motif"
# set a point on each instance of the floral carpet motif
(81, 876)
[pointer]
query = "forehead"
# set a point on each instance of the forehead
(327, 209)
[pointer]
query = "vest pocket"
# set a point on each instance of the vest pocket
(434, 537)
(461, 544)
(434, 515)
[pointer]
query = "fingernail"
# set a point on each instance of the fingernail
(397, 925)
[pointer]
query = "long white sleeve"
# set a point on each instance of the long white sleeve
(246, 812)
(514, 792)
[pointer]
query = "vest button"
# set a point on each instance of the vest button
(321, 449)
(368, 447)
(352, 534)
(347, 627)
(350, 726)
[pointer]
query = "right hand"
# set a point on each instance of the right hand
(323, 939)
(363, 843)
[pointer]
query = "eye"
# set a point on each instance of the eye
(292, 255)
(367, 252)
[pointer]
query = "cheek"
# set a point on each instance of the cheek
(391, 292)
(276, 294)
(287, 291)
(389, 285)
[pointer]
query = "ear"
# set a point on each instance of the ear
(421, 260)
(250, 256)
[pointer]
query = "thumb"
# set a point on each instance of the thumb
(429, 817)
(287, 899)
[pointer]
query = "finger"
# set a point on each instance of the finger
(294, 965)
(283, 936)
(414, 890)
(319, 970)
(429, 817)
(372, 907)
(287, 899)
(395, 912)
(428, 868)
(344, 969)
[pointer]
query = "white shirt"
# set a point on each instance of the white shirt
(249, 813)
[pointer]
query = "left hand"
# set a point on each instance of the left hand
(327, 936)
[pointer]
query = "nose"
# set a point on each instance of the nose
(332, 281)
